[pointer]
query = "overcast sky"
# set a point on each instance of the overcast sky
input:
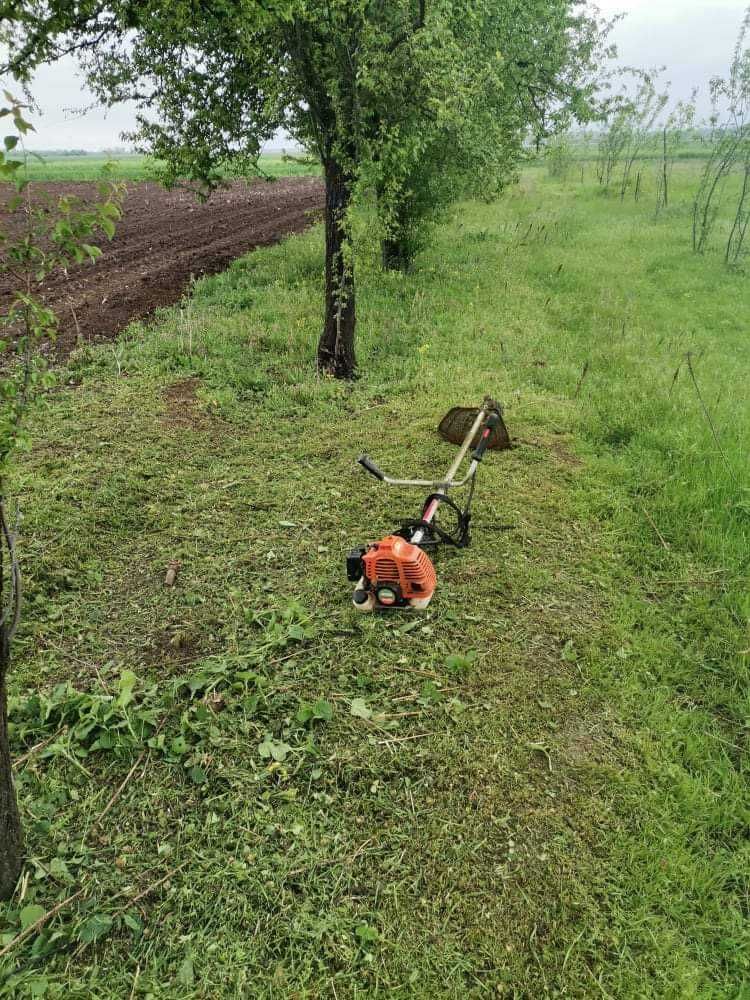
(694, 39)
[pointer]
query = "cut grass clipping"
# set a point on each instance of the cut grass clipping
(234, 785)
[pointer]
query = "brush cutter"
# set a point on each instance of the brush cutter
(396, 572)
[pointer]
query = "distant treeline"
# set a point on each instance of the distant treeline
(56, 153)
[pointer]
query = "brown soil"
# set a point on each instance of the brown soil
(182, 404)
(184, 410)
(164, 239)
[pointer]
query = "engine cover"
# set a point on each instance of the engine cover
(398, 574)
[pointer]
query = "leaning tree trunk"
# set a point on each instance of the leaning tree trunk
(396, 249)
(11, 839)
(336, 346)
(396, 254)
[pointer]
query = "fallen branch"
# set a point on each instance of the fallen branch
(38, 924)
(149, 889)
(118, 792)
(330, 861)
(403, 739)
(674, 379)
(50, 914)
(414, 670)
(653, 525)
(136, 899)
(35, 749)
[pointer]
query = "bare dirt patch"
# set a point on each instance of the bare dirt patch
(164, 239)
(182, 404)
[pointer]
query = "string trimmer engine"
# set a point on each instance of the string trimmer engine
(397, 572)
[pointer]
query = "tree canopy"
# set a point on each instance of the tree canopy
(459, 116)
(414, 97)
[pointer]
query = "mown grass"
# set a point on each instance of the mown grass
(134, 167)
(537, 788)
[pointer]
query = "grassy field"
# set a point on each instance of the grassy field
(133, 167)
(583, 146)
(539, 787)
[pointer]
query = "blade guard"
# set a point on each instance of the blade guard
(457, 422)
(397, 574)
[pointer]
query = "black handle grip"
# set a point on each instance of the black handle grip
(491, 423)
(367, 463)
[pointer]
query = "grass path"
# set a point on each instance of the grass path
(538, 787)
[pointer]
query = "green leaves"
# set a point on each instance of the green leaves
(455, 120)
(197, 775)
(460, 663)
(133, 922)
(569, 652)
(358, 708)
(30, 914)
(320, 711)
(430, 694)
(87, 722)
(273, 749)
(366, 934)
(94, 927)
(186, 972)
(91, 251)
(107, 225)
(126, 687)
(179, 746)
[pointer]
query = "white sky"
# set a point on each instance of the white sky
(694, 39)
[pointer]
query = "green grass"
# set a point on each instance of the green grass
(539, 787)
(133, 167)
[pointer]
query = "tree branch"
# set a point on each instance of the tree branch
(416, 26)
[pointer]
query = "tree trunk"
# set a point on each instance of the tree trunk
(397, 251)
(396, 255)
(336, 346)
(11, 838)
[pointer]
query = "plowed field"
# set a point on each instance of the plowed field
(163, 240)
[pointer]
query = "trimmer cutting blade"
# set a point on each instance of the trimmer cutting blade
(396, 572)
(456, 423)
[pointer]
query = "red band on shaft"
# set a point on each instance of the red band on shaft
(430, 512)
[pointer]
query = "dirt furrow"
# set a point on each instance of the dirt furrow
(164, 239)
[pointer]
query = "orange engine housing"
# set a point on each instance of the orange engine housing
(396, 561)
